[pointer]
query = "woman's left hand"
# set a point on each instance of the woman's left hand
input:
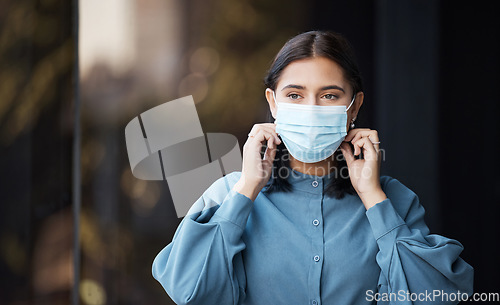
(364, 173)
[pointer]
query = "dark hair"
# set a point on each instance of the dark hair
(307, 45)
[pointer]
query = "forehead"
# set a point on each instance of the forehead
(312, 73)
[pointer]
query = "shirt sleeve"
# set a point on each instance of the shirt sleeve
(416, 267)
(203, 264)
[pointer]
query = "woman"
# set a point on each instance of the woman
(309, 223)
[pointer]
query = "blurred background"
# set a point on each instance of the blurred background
(74, 73)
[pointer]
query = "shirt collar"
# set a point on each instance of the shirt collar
(309, 183)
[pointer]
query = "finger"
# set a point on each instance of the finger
(260, 137)
(372, 134)
(270, 154)
(357, 148)
(257, 127)
(369, 133)
(271, 128)
(352, 133)
(369, 152)
(267, 125)
(270, 142)
(347, 152)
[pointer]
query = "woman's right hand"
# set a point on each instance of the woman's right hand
(256, 170)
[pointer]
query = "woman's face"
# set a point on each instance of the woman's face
(314, 81)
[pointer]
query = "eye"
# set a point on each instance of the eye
(293, 96)
(330, 96)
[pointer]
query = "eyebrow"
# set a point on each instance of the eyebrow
(322, 88)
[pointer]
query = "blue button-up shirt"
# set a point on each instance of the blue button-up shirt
(303, 247)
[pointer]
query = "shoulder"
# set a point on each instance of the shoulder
(395, 187)
(214, 195)
(402, 198)
(221, 187)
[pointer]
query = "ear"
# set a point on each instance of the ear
(353, 111)
(271, 102)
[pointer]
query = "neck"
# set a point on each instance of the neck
(320, 168)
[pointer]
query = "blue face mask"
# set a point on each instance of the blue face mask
(311, 133)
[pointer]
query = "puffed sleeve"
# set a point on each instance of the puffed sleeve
(416, 267)
(203, 264)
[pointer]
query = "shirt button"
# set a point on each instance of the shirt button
(314, 302)
(315, 183)
(316, 258)
(316, 222)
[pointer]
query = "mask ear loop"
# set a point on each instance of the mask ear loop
(275, 100)
(277, 105)
(353, 98)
